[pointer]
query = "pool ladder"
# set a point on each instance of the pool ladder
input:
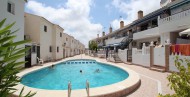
(69, 89)
(87, 88)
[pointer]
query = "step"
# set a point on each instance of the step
(158, 68)
(118, 62)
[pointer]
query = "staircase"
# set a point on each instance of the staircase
(116, 58)
(125, 42)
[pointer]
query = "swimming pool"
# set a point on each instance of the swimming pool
(57, 78)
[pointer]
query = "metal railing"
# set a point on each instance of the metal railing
(87, 88)
(69, 89)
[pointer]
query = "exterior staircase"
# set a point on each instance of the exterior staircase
(116, 58)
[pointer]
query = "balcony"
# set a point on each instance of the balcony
(153, 32)
(100, 44)
(113, 40)
(179, 21)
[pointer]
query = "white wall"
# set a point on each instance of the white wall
(139, 58)
(57, 42)
(32, 27)
(45, 39)
(123, 55)
(172, 66)
(18, 17)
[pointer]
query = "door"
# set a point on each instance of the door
(38, 52)
(63, 53)
(28, 58)
(129, 55)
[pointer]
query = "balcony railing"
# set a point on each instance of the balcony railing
(146, 33)
(174, 17)
(113, 40)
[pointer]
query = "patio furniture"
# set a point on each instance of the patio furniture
(40, 61)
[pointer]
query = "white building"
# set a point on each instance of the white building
(13, 11)
(40, 31)
(66, 43)
(52, 43)
(57, 36)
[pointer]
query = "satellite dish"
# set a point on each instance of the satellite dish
(164, 2)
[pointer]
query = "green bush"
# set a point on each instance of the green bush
(10, 53)
(180, 81)
(93, 45)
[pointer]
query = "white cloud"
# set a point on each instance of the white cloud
(131, 7)
(73, 17)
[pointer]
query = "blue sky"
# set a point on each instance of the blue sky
(101, 11)
(84, 19)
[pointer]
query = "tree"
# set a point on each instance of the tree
(10, 53)
(180, 81)
(93, 45)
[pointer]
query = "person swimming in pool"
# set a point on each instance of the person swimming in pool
(81, 71)
(97, 70)
(52, 66)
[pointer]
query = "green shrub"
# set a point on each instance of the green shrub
(10, 53)
(180, 81)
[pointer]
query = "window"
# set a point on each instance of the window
(11, 7)
(45, 28)
(66, 39)
(60, 34)
(57, 49)
(50, 49)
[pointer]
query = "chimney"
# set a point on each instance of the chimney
(97, 35)
(103, 33)
(140, 14)
(110, 29)
(121, 24)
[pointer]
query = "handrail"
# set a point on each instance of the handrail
(87, 88)
(69, 89)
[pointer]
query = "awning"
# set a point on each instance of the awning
(186, 32)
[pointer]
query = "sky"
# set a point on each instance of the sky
(84, 19)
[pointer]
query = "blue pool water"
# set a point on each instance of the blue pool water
(57, 78)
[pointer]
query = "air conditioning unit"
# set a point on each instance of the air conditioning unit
(164, 2)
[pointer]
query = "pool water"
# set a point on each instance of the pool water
(57, 78)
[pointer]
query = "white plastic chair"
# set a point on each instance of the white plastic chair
(40, 60)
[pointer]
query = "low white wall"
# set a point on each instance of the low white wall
(122, 55)
(159, 56)
(139, 58)
(172, 66)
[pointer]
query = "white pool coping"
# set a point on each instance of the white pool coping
(114, 90)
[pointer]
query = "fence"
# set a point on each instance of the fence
(172, 57)
(159, 56)
(123, 55)
(141, 56)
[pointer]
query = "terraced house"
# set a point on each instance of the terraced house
(168, 25)
(49, 40)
